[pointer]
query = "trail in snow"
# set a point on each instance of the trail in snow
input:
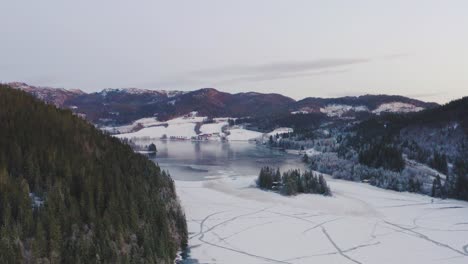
(321, 224)
(334, 252)
(236, 223)
(202, 234)
(336, 246)
(422, 236)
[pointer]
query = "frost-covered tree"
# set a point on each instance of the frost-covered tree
(292, 182)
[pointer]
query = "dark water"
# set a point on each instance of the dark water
(195, 161)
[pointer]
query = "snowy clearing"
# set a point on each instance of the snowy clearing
(179, 130)
(184, 128)
(280, 131)
(230, 221)
(339, 110)
(397, 107)
(241, 134)
(213, 128)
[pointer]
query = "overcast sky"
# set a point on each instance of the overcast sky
(296, 48)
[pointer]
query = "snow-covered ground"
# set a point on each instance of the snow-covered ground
(299, 112)
(184, 128)
(213, 128)
(241, 134)
(230, 221)
(338, 110)
(280, 130)
(309, 152)
(312, 152)
(139, 123)
(397, 107)
(423, 168)
(180, 127)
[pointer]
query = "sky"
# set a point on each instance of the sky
(297, 48)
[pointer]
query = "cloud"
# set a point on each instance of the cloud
(269, 77)
(234, 74)
(255, 73)
(284, 68)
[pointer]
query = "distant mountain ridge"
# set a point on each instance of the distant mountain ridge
(120, 106)
(55, 96)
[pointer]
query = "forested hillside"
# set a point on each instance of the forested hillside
(437, 137)
(71, 194)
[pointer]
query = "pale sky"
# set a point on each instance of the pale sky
(297, 48)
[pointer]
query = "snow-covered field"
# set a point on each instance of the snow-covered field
(339, 110)
(213, 128)
(142, 122)
(397, 107)
(241, 134)
(184, 128)
(230, 221)
(279, 131)
(180, 127)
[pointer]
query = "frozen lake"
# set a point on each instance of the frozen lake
(198, 161)
(231, 221)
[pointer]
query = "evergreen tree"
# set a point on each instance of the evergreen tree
(461, 182)
(439, 162)
(382, 155)
(152, 148)
(70, 193)
(437, 187)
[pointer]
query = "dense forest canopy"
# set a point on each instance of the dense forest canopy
(71, 194)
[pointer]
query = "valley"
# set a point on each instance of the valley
(233, 132)
(392, 193)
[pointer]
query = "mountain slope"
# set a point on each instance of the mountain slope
(122, 106)
(436, 137)
(70, 194)
(452, 116)
(54, 96)
(372, 103)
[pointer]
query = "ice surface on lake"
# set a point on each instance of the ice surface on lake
(231, 221)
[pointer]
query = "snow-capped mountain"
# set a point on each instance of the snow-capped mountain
(125, 105)
(350, 106)
(122, 106)
(137, 91)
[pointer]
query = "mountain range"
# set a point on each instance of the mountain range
(382, 132)
(122, 106)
